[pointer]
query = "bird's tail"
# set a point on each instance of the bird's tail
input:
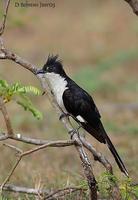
(115, 154)
(100, 134)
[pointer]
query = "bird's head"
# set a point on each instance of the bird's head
(53, 65)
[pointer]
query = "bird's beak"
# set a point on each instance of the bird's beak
(40, 71)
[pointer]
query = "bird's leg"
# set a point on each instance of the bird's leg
(77, 130)
(63, 115)
(80, 126)
(72, 132)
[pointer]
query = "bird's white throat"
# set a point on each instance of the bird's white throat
(58, 85)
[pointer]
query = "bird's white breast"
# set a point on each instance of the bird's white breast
(58, 85)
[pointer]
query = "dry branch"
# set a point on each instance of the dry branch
(97, 156)
(134, 5)
(47, 194)
(28, 140)
(4, 17)
(6, 117)
(63, 192)
(22, 154)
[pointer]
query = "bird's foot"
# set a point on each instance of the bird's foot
(72, 132)
(63, 115)
(80, 126)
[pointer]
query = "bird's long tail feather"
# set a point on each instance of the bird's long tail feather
(116, 156)
(100, 134)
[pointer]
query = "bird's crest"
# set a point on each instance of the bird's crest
(52, 60)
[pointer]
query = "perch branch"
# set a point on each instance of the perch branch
(6, 117)
(134, 5)
(97, 155)
(6, 54)
(13, 147)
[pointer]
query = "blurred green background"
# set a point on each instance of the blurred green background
(98, 43)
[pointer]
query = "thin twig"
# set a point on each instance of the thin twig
(62, 192)
(13, 147)
(11, 172)
(49, 144)
(2, 28)
(21, 155)
(6, 117)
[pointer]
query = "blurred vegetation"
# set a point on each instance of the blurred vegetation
(98, 43)
(9, 92)
(87, 74)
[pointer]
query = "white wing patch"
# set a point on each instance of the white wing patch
(80, 118)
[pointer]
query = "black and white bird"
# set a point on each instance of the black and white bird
(75, 101)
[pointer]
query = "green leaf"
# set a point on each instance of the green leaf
(3, 83)
(20, 94)
(29, 89)
(26, 103)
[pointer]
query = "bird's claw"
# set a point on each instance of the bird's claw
(80, 126)
(72, 132)
(63, 115)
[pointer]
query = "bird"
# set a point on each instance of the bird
(75, 101)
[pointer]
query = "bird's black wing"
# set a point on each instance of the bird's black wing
(81, 105)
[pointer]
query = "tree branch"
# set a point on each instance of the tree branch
(17, 59)
(97, 156)
(6, 117)
(134, 5)
(10, 174)
(4, 17)
(47, 194)
(28, 140)
(22, 154)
